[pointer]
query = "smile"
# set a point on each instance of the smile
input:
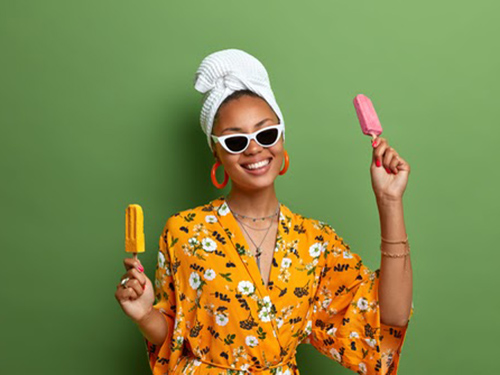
(255, 166)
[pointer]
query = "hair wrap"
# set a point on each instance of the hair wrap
(224, 72)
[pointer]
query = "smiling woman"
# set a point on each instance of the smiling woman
(242, 280)
(242, 149)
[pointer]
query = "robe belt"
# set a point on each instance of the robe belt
(251, 369)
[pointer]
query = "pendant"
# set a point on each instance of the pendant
(257, 255)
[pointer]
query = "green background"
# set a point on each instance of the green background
(98, 110)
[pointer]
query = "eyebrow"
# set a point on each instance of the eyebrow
(260, 123)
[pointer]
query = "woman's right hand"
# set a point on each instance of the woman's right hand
(137, 298)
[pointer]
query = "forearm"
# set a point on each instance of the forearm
(396, 276)
(154, 327)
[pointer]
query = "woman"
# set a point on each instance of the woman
(243, 280)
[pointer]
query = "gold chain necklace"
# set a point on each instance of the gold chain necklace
(258, 251)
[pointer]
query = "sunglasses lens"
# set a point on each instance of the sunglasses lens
(268, 137)
(236, 144)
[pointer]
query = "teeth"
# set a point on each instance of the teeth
(257, 165)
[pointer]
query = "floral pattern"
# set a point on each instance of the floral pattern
(223, 319)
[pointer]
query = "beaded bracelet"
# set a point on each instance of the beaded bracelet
(396, 255)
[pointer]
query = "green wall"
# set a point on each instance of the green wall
(98, 110)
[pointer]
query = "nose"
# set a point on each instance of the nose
(253, 147)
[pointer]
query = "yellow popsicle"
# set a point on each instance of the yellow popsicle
(134, 230)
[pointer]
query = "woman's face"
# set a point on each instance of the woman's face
(248, 114)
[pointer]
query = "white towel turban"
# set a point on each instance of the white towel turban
(224, 72)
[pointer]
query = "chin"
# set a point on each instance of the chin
(252, 183)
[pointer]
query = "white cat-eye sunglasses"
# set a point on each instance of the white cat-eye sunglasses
(238, 143)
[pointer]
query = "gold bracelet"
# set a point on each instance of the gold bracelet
(404, 241)
(407, 246)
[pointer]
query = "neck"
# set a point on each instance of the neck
(256, 203)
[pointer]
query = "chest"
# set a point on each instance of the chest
(266, 241)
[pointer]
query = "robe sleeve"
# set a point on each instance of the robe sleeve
(160, 356)
(346, 322)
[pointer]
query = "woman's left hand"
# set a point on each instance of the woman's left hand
(390, 175)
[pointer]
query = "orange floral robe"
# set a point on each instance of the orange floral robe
(223, 319)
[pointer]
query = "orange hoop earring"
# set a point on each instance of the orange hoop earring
(285, 168)
(214, 177)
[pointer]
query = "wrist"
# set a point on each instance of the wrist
(386, 201)
(143, 321)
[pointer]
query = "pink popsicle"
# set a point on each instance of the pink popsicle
(368, 119)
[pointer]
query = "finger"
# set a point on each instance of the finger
(394, 161)
(119, 293)
(378, 152)
(394, 164)
(129, 294)
(387, 159)
(133, 263)
(402, 165)
(136, 275)
(136, 286)
(125, 294)
(377, 141)
(387, 156)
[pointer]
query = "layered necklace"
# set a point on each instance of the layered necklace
(258, 250)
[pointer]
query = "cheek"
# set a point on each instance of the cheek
(278, 150)
(278, 153)
(227, 159)
(230, 161)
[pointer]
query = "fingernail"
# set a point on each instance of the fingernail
(378, 163)
(144, 287)
(388, 171)
(140, 268)
(373, 143)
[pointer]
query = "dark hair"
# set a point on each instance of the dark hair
(236, 95)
